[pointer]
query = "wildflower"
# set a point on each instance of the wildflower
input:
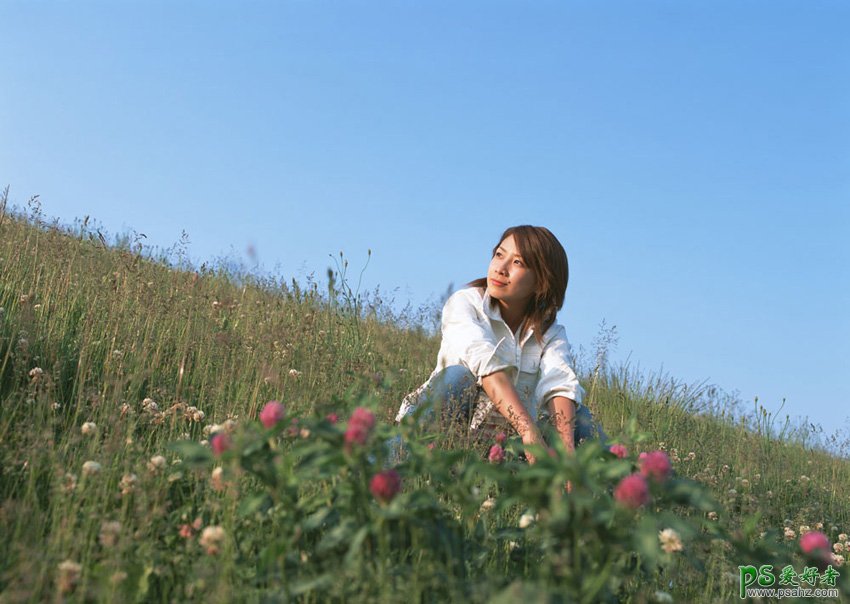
(211, 539)
(193, 414)
(304, 433)
(620, 451)
(805, 529)
(157, 463)
(527, 519)
(488, 504)
(385, 485)
(842, 537)
(838, 548)
(789, 533)
(220, 443)
(732, 492)
(712, 516)
(655, 465)
(69, 482)
(691, 456)
(496, 455)
(89, 429)
(109, 532)
(217, 479)
(186, 531)
(632, 491)
(359, 427)
(838, 560)
(294, 373)
(804, 478)
(128, 483)
(814, 542)
(36, 373)
(24, 298)
(69, 575)
(819, 526)
(670, 540)
(90, 468)
(271, 414)
(745, 483)
(501, 437)
(150, 405)
(332, 418)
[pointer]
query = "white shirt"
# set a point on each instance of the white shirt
(476, 336)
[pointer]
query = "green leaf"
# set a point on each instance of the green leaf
(193, 454)
(311, 584)
(356, 543)
(255, 503)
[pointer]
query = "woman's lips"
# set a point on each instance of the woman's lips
(497, 283)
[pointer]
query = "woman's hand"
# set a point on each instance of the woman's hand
(500, 389)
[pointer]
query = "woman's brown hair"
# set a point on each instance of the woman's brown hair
(543, 254)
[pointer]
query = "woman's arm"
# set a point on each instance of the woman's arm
(563, 411)
(500, 389)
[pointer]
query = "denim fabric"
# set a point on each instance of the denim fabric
(454, 392)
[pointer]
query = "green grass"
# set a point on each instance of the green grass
(110, 328)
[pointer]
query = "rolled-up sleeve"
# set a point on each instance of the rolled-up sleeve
(469, 339)
(557, 377)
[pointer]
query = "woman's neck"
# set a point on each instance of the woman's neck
(511, 315)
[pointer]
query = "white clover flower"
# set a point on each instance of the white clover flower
(69, 575)
(488, 504)
(712, 516)
(194, 414)
(89, 429)
(294, 373)
(157, 463)
(527, 519)
(838, 560)
(838, 548)
(150, 405)
(842, 537)
(805, 528)
(819, 526)
(217, 479)
(670, 540)
(789, 533)
(69, 482)
(36, 373)
(90, 468)
(128, 483)
(109, 532)
(211, 539)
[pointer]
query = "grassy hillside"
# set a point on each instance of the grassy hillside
(91, 335)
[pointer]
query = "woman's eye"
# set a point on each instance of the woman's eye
(518, 262)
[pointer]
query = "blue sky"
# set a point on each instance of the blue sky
(693, 158)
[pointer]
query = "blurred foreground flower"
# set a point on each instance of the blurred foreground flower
(620, 451)
(813, 542)
(655, 465)
(496, 455)
(385, 485)
(359, 427)
(219, 443)
(632, 491)
(271, 414)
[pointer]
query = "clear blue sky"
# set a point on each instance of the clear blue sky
(693, 157)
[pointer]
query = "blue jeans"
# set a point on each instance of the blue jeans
(454, 392)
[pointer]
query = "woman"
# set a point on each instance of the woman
(504, 363)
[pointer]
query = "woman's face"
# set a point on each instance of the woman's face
(509, 279)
